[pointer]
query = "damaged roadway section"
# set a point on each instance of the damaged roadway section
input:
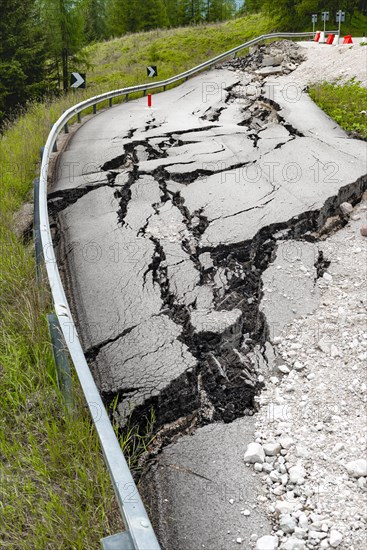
(167, 222)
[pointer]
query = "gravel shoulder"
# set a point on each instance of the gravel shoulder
(331, 63)
(310, 440)
(312, 419)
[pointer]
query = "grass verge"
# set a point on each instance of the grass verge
(346, 104)
(55, 491)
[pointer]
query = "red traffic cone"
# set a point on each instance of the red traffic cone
(317, 36)
(330, 39)
(348, 39)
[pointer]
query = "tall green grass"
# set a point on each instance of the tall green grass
(346, 104)
(122, 61)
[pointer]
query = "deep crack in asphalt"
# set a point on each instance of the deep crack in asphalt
(223, 384)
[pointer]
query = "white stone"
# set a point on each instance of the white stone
(323, 346)
(335, 538)
(286, 442)
(361, 482)
(301, 452)
(338, 447)
(300, 533)
(284, 369)
(357, 468)
(271, 449)
(284, 507)
(297, 474)
(346, 208)
(268, 542)
(303, 521)
(294, 544)
(254, 453)
(274, 476)
(287, 523)
(327, 277)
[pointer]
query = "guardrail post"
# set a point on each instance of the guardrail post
(66, 127)
(79, 117)
(126, 97)
(110, 102)
(54, 147)
(61, 360)
(36, 227)
(94, 109)
(120, 541)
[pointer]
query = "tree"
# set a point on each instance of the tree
(64, 28)
(22, 55)
(94, 15)
(252, 6)
(174, 12)
(192, 11)
(220, 10)
(153, 15)
(133, 16)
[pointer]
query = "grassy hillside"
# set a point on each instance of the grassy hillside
(122, 62)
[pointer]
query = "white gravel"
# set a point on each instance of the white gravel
(315, 486)
(331, 63)
(313, 418)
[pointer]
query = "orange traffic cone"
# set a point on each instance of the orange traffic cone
(317, 36)
(330, 39)
(348, 39)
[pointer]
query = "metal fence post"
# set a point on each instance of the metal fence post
(120, 541)
(36, 229)
(61, 360)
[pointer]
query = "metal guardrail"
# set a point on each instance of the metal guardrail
(139, 534)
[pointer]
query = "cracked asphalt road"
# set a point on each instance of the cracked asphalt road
(166, 219)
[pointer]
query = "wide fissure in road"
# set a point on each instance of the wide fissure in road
(167, 220)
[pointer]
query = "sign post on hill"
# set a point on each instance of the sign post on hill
(77, 80)
(314, 21)
(152, 71)
(340, 18)
(324, 18)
